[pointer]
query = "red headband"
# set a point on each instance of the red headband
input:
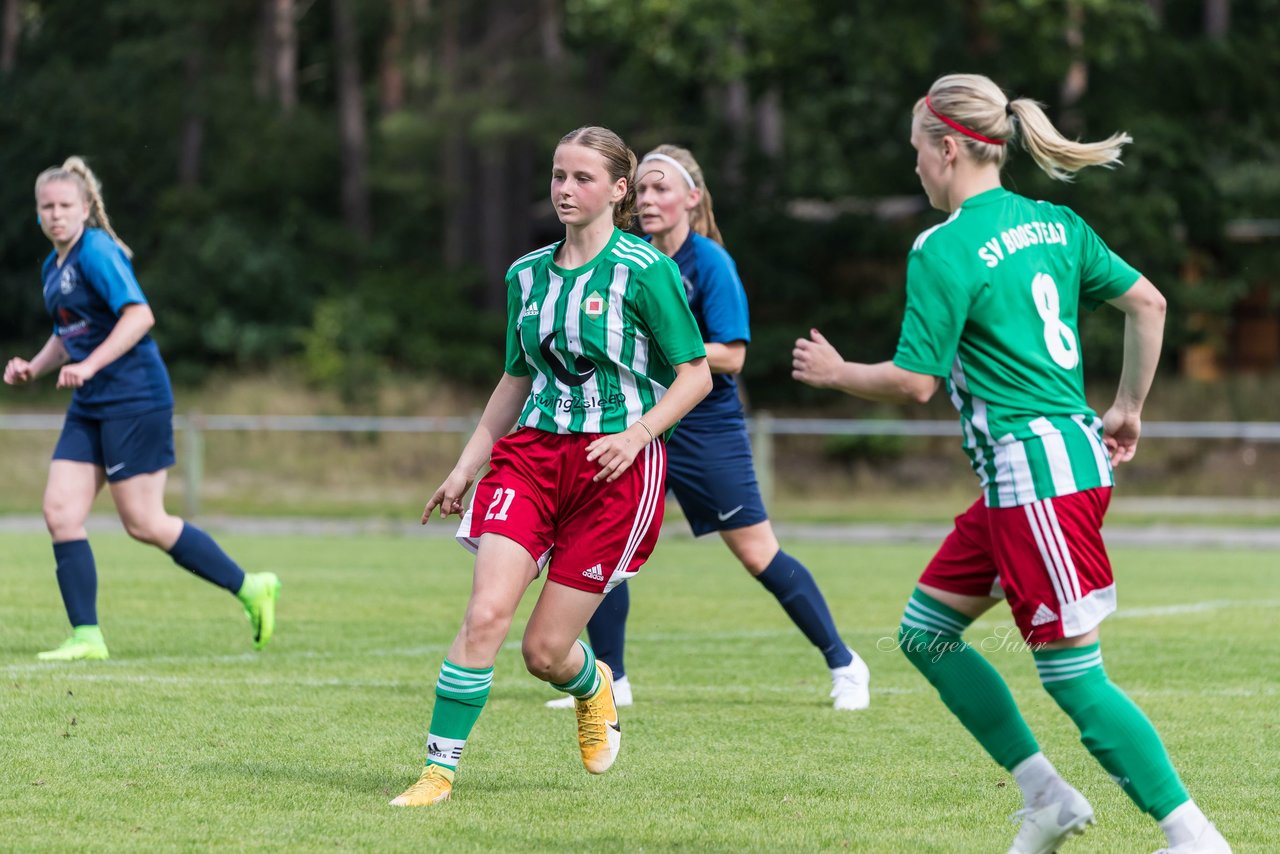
(951, 123)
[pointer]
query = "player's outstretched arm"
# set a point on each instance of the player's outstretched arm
(499, 416)
(1144, 309)
(815, 362)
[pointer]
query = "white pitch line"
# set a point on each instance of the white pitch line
(1196, 607)
(421, 650)
(657, 692)
(144, 678)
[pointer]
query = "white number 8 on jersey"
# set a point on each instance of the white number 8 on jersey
(1058, 337)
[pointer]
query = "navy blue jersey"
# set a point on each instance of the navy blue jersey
(719, 305)
(84, 296)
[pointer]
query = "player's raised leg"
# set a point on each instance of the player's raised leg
(607, 634)
(554, 654)
(930, 637)
(793, 585)
(140, 502)
(1061, 587)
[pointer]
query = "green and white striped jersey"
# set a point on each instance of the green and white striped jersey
(993, 296)
(600, 340)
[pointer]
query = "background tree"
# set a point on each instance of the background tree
(244, 153)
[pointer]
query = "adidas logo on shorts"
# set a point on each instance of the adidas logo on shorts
(596, 573)
(1043, 615)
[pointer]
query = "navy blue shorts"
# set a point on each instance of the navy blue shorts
(122, 447)
(712, 475)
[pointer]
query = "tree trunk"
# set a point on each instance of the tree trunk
(1076, 81)
(1217, 18)
(770, 118)
(391, 78)
(769, 122)
(264, 53)
(351, 124)
(191, 141)
(551, 27)
(454, 151)
(420, 58)
(11, 36)
(495, 248)
(737, 114)
(520, 176)
(285, 54)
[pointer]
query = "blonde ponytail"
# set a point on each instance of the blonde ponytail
(990, 120)
(75, 170)
(1058, 156)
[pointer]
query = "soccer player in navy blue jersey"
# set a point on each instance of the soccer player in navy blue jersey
(119, 426)
(709, 463)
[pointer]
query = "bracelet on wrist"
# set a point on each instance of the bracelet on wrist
(647, 428)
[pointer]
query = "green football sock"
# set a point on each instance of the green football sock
(1112, 727)
(461, 693)
(968, 684)
(587, 682)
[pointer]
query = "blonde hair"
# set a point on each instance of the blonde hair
(75, 170)
(620, 162)
(702, 218)
(979, 105)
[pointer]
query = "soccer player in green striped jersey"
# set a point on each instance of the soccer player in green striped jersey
(992, 298)
(603, 357)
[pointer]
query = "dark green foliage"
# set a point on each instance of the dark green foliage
(249, 261)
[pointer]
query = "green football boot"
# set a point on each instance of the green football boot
(85, 644)
(259, 594)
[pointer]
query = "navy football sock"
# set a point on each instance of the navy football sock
(798, 594)
(78, 581)
(607, 629)
(197, 552)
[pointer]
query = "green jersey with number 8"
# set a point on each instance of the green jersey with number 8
(993, 294)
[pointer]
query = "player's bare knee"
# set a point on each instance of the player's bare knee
(539, 660)
(143, 529)
(61, 521)
(756, 559)
(484, 620)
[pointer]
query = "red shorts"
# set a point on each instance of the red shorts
(1046, 558)
(539, 492)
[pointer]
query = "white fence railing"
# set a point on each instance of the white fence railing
(763, 427)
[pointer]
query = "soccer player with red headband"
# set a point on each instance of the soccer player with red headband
(993, 295)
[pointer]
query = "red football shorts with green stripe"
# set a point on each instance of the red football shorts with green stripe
(539, 492)
(1047, 558)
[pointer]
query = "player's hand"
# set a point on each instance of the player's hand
(74, 376)
(449, 496)
(17, 372)
(1120, 431)
(615, 452)
(815, 362)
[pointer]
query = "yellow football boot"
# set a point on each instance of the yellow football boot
(599, 735)
(433, 787)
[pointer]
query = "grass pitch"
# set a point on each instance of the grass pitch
(186, 739)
